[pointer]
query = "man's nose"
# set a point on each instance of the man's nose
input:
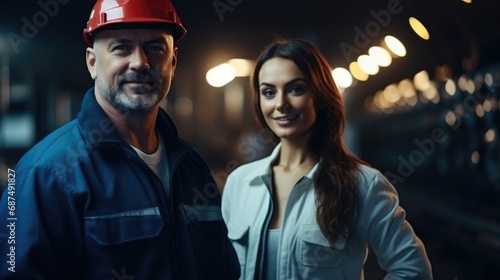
(139, 60)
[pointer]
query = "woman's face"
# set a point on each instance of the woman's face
(286, 99)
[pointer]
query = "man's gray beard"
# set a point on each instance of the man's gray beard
(121, 102)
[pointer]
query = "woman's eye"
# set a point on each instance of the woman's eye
(267, 93)
(296, 89)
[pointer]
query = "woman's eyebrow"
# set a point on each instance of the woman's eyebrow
(286, 84)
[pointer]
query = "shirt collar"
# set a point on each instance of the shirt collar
(263, 170)
(98, 129)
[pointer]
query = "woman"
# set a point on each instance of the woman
(311, 209)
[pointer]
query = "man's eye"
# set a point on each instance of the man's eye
(156, 49)
(121, 48)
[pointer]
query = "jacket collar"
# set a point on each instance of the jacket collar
(263, 170)
(98, 129)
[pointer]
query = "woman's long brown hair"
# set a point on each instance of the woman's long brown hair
(337, 177)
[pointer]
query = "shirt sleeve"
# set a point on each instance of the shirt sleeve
(40, 242)
(398, 249)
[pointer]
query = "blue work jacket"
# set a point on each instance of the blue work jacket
(87, 207)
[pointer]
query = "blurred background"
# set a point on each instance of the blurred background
(420, 80)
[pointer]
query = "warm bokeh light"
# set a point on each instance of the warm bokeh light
(407, 89)
(421, 80)
(395, 46)
(357, 72)
(487, 105)
(470, 87)
(467, 1)
(450, 118)
(475, 157)
(419, 28)
(380, 100)
(367, 64)
(462, 82)
(412, 101)
(243, 67)
(220, 75)
(489, 136)
(380, 55)
(488, 79)
(443, 73)
(381, 103)
(450, 87)
(391, 94)
(480, 111)
(342, 77)
(431, 94)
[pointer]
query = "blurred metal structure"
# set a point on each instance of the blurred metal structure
(444, 159)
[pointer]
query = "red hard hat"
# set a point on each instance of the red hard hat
(124, 12)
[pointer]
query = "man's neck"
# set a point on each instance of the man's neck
(136, 128)
(139, 131)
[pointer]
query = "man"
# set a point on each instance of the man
(115, 193)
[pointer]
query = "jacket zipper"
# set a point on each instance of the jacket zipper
(263, 233)
(169, 213)
(278, 259)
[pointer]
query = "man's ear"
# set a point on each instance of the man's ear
(174, 58)
(174, 62)
(91, 61)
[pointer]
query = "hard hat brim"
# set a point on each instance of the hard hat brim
(177, 32)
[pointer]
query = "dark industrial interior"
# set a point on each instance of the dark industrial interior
(439, 145)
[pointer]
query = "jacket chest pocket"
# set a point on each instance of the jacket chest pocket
(122, 227)
(205, 219)
(210, 240)
(238, 234)
(314, 249)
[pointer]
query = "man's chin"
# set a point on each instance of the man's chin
(138, 90)
(142, 102)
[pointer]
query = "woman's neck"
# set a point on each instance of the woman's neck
(295, 154)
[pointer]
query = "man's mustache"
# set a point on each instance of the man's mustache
(140, 77)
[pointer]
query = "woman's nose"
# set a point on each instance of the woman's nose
(282, 103)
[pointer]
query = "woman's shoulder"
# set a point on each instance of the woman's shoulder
(243, 176)
(371, 179)
(257, 167)
(368, 173)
